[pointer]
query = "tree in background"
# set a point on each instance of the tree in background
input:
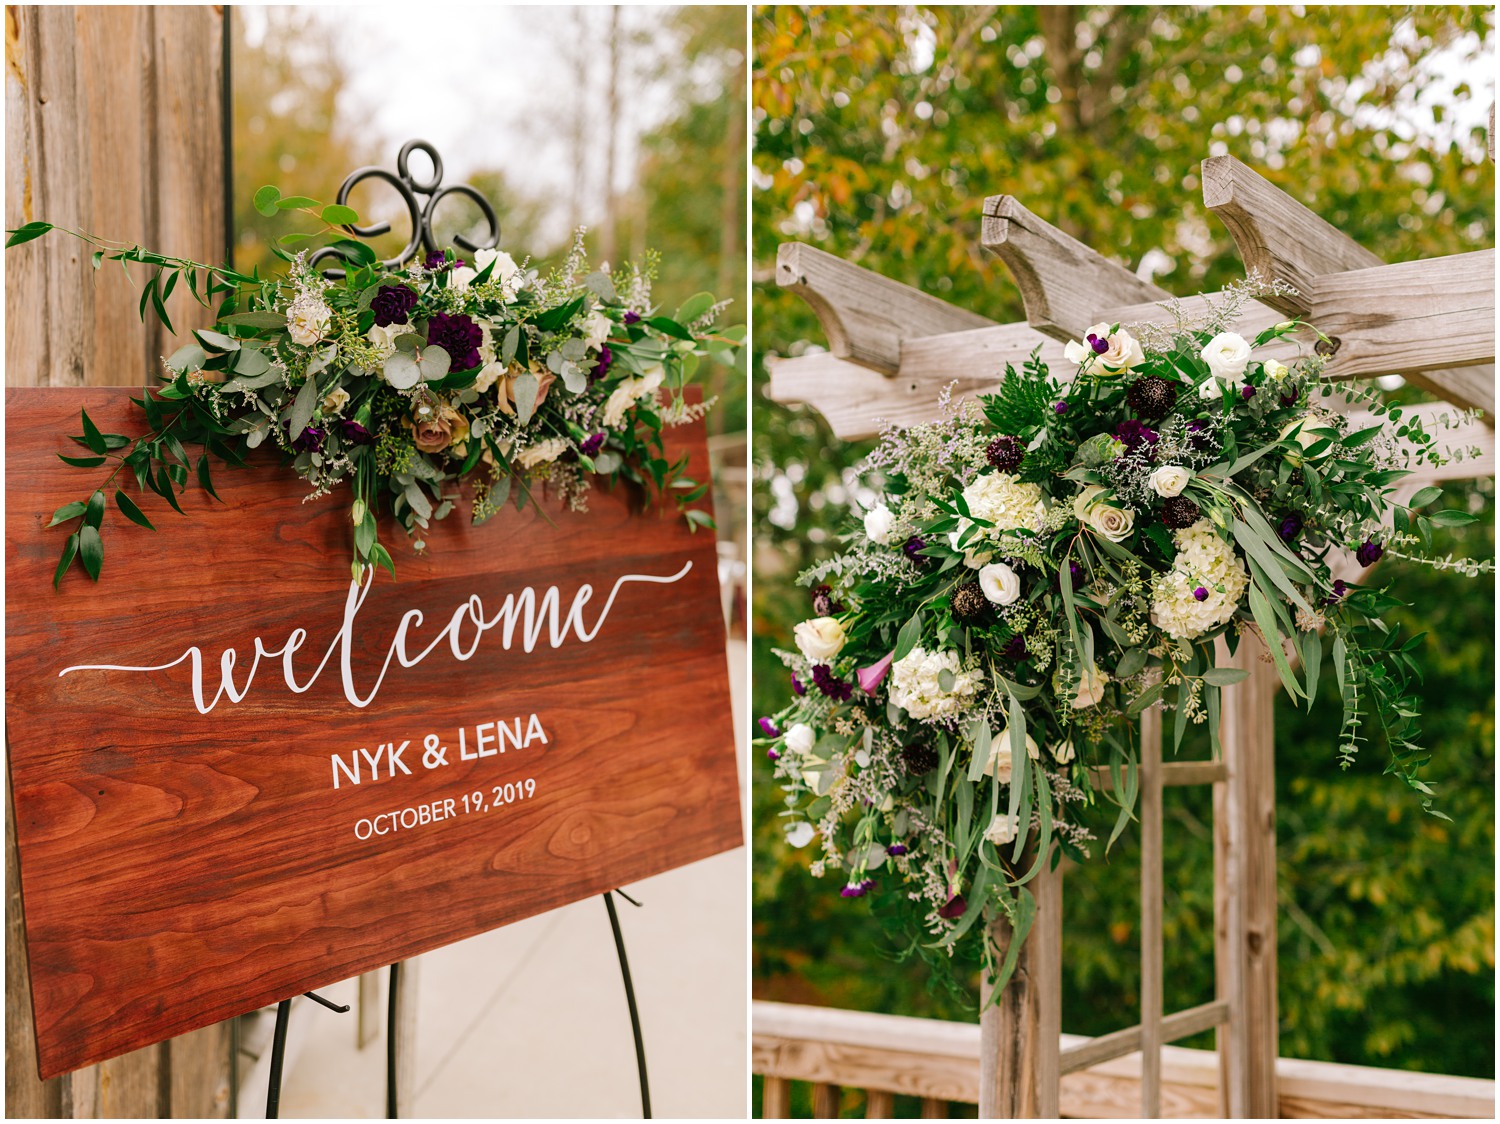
(878, 132)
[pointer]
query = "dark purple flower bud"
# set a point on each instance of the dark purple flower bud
(834, 688)
(1288, 399)
(1369, 552)
(896, 850)
(768, 728)
(1015, 648)
(1099, 345)
(632, 316)
(438, 259)
(592, 444)
(1290, 527)
(459, 336)
(602, 364)
(393, 305)
(867, 885)
(1247, 392)
(1340, 587)
(352, 433)
(955, 908)
(1200, 594)
(311, 440)
(797, 688)
(913, 549)
(772, 755)
(854, 890)
(1059, 407)
(1075, 571)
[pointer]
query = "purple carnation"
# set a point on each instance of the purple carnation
(1135, 434)
(352, 433)
(835, 688)
(768, 728)
(1200, 594)
(1290, 527)
(797, 688)
(1369, 552)
(393, 305)
(602, 364)
(955, 908)
(592, 444)
(632, 316)
(459, 336)
(311, 440)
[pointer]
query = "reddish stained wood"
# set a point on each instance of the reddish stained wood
(180, 868)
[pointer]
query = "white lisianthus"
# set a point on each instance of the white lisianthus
(1114, 523)
(335, 400)
(307, 320)
(1002, 830)
(631, 391)
(820, 639)
(1275, 370)
(1169, 480)
(800, 834)
(800, 739)
(1227, 356)
(384, 338)
(1090, 688)
(878, 522)
(1203, 588)
(1122, 353)
(1209, 389)
(1000, 583)
(543, 452)
(916, 683)
(596, 329)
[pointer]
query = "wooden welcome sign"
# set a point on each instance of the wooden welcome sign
(237, 778)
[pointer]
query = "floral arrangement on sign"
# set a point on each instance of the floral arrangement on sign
(401, 383)
(1053, 559)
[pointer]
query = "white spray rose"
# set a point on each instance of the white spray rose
(1169, 480)
(1275, 370)
(307, 320)
(1209, 389)
(489, 375)
(1114, 523)
(1002, 759)
(1122, 353)
(1227, 356)
(1090, 688)
(820, 639)
(878, 523)
(1000, 583)
(1002, 830)
(335, 400)
(800, 739)
(975, 555)
(596, 329)
(384, 338)
(1064, 753)
(543, 452)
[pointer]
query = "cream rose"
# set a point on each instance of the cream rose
(1002, 830)
(878, 523)
(1114, 523)
(596, 329)
(335, 400)
(1000, 583)
(543, 452)
(1001, 758)
(307, 320)
(1064, 753)
(1122, 351)
(1090, 688)
(1227, 356)
(819, 639)
(1169, 480)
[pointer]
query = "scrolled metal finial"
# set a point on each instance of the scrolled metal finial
(420, 215)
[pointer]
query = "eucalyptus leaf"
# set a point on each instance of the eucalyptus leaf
(302, 408)
(526, 388)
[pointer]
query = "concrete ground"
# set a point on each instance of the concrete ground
(530, 1020)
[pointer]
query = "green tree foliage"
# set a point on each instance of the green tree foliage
(878, 132)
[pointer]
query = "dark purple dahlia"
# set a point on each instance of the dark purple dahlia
(459, 336)
(393, 305)
(438, 259)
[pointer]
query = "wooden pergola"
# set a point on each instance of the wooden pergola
(892, 348)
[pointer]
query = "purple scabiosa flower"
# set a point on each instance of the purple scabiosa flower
(797, 687)
(913, 547)
(831, 686)
(459, 336)
(1369, 552)
(602, 364)
(896, 850)
(393, 305)
(1135, 434)
(310, 440)
(1005, 454)
(768, 728)
(1015, 648)
(1200, 594)
(1059, 407)
(823, 602)
(631, 316)
(955, 908)
(1247, 392)
(352, 433)
(1289, 527)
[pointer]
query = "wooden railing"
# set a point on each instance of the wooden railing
(938, 1062)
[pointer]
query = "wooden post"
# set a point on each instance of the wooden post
(1151, 907)
(113, 124)
(1245, 885)
(1020, 1033)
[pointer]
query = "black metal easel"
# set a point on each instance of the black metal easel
(278, 1048)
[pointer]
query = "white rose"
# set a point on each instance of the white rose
(800, 739)
(1112, 522)
(596, 329)
(652, 376)
(307, 320)
(1169, 480)
(1275, 370)
(1002, 830)
(819, 639)
(543, 452)
(1064, 753)
(878, 522)
(1123, 351)
(384, 338)
(335, 400)
(489, 375)
(800, 834)
(1000, 583)
(999, 764)
(1227, 356)
(1209, 389)
(1090, 688)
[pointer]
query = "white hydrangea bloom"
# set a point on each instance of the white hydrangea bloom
(916, 689)
(1204, 562)
(1001, 499)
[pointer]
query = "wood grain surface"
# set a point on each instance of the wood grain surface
(178, 868)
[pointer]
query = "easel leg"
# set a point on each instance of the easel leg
(390, 1042)
(278, 1057)
(635, 1018)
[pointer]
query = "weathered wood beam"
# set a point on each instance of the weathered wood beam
(864, 315)
(1065, 286)
(1430, 316)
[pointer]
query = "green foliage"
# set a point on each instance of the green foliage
(878, 133)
